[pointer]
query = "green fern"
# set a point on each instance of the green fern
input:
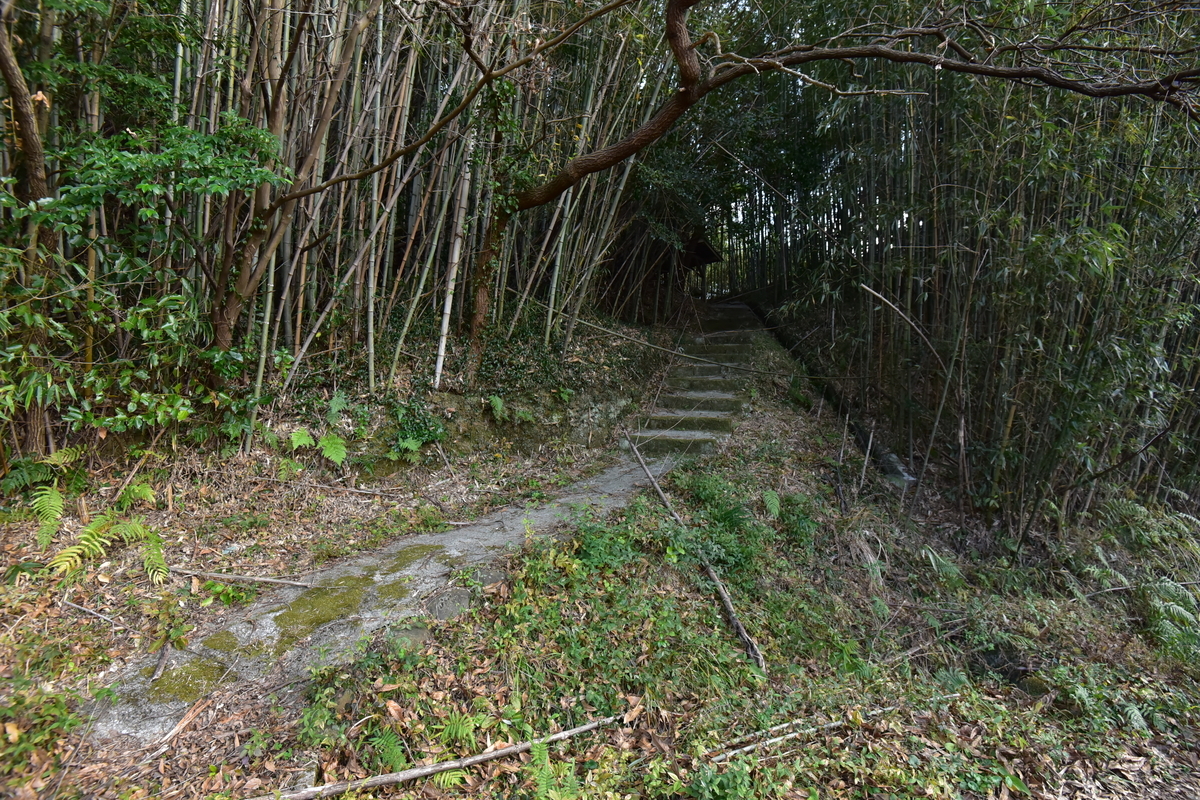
(333, 447)
(459, 729)
(301, 438)
(96, 539)
(543, 776)
(24, 473)
(389, 750)
(771, 501)
(48, 506)
(406, 450)
(1132, 716)
(337, 404)
(449, 779)
(138, 492)
(947, 572)
(498, 410)
(64, 457)
(154, 560)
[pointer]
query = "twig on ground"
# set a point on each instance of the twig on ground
(1131, 588)
(445, 460)
(163, 652)
(228, 576)
(101, 616)
(794, 734)
(386, 493)
(751, 647)
(393, 778)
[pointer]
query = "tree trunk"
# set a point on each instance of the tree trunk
(482, 278)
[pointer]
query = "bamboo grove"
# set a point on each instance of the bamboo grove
(224, 198)
(1003, 280)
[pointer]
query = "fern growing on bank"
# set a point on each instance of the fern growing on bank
(47, 504)
(98, 536)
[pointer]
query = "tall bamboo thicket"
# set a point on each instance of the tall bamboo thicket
(243, 186)
(1005, 278)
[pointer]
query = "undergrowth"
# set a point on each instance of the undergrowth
(932, 676)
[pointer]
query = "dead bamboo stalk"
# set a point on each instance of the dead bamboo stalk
(796, 734)
(416, 773)
(736, 623)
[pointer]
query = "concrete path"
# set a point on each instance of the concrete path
(290, 630)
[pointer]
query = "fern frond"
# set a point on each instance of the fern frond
(333, 447)
(771, 501)
(1132, 715)
(407, 450)
(389, 750)
(301, 438)
(449, 779)
(498, 410)
(134, 493)
(24, 473)
(93, 541)
(1178, 615)
(67, 559)
(337, 404)
(153, 559)
(133, 530)
(45, 534)
(48, 504)
(64, 457)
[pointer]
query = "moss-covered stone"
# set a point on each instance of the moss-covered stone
(223, 641)
(394, 591)
(189, 682)
(318, 606)
(411, 555)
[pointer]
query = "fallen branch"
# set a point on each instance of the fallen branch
(1132, 587)
(739, 629)
(393, 778)
(101, 616)
(795, 734)
(237, 578)
(327, 487)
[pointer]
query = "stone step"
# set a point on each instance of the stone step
(704, 383)
(731, 322)
(725, 337)
(693, 442)
(701, 401)
(689, 421)
(709, 350)
(694, 369)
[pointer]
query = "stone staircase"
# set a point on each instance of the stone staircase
(697, 405)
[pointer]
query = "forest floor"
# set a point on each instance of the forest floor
(907, 653)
